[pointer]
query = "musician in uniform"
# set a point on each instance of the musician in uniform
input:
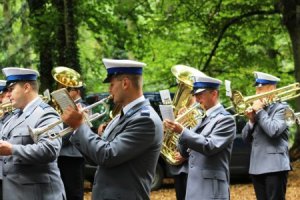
(70, 161)
(29, 163)
(4, 98)
(128, 150)
(268, 133)
(5, 116)
(208, 146)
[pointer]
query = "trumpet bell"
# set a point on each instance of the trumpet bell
(66, 76)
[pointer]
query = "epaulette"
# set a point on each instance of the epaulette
(145, 111)
(44, 105)
(224, 112)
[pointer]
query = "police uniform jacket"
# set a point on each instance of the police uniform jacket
(126, 154)
(31, 171)
(210, 146)
(68, 149)
(269, 138)
(3, 120)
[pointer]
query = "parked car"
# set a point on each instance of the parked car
(240, 154)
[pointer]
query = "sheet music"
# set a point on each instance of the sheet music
(46, 94)
(228, 88)
(167, 112)
(63, 98)
(165, 96)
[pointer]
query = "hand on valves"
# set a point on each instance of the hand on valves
(72, 117)
(173, 126)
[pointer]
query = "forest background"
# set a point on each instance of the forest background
(226, 39)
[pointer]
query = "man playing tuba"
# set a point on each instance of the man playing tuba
(208, 146)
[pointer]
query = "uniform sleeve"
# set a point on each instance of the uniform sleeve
(247, 132)
(44, 150)
(134, 140)
(272, 126)
(211, 143)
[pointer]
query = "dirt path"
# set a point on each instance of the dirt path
(239, 191)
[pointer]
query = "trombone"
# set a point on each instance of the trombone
(35, 133)
(241, 104)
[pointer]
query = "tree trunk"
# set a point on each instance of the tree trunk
(43, 44)
(72, 59)
(291, 19)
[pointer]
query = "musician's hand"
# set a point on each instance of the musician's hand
(5, 148)
(173, 126)
(258, 105)
(179, 157)
(101, 128)
(182, 110)
(72, 117)
(250, 114)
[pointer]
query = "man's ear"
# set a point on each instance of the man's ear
(27, 86)
(125, 83)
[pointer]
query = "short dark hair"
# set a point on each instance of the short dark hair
(34, 84)
(137, 80)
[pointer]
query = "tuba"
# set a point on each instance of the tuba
(65, 77)
(183, 95)
(241, 104)
(188, 119)
(181, 100)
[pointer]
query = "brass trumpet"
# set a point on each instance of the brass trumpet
(35, 133)
(241, 104)
(189, 119)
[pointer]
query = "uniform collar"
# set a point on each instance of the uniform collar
(27, 107)
(133, 103)
(212, 109)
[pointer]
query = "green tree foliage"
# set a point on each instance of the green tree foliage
(227, 39)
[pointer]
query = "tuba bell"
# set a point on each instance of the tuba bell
(181, 100)
(183, 95)
(65, 77)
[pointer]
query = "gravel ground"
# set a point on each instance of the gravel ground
(242, 190)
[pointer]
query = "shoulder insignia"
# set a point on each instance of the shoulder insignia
(44, 105)
(145, 111)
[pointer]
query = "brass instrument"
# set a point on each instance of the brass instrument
(35, 133)
(291, 117)
(6, 107)
(188, 119)
(66, 77)
(185, 85)
(241, 104)
(181, 100)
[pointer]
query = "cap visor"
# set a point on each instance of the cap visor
(198, 90)
(107, 79)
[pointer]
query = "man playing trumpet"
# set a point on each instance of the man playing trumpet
(268, 133)
(29, 167)
(208, 145)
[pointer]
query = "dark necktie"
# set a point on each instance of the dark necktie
(19, 113)
(122, 114)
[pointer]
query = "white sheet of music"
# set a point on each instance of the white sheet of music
(165, 96)
(63, 98)
(167, 112)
